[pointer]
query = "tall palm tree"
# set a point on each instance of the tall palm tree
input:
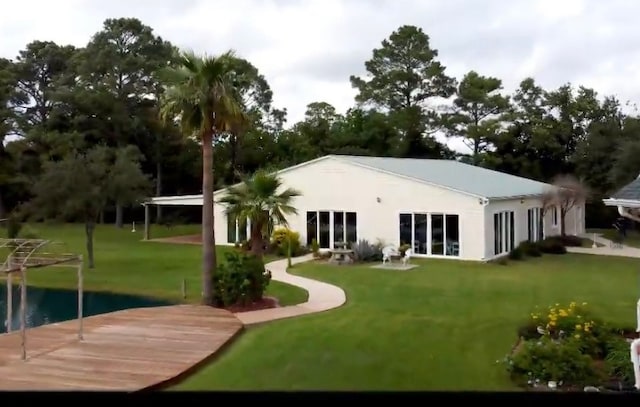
(258, 200)
(201, 95)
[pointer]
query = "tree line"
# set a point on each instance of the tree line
(83, 137)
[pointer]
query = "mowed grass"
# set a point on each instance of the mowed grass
(126, 264)
(441, 326)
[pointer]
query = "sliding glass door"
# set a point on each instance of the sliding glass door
(535, 224)
(331, 227)
(503, 232)
(434, 234)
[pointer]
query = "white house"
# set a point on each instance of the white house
(442, 208)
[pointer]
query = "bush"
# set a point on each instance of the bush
(315, 248)
(280, 240)
(241, 280)
(403, 248)
(617, 361)
(570, 241)
(516, 254)
(552, 245)
(547, 359)
(365, 251)
(530, 249)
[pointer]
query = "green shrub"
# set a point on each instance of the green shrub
(242, 279)
(315, 248)
(280, 242)
(530, 249)
(365, 251)
(548, 359)
(617, 361)
(403, 248)
(552, 245)
(516, 254)
(571, 241)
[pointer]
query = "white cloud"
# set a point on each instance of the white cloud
(308, 48)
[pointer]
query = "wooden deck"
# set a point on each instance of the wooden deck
(126, 350)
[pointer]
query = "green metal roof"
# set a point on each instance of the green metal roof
(455, 175)
(630, 192)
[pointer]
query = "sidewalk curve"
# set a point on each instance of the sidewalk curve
(322, 296)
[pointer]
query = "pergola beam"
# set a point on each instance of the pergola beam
(29, 257)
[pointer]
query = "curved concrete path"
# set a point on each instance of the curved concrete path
(322, 296)
(607, 248)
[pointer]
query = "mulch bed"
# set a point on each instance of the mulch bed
(264, 303)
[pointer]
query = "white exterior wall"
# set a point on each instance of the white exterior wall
(330, 184)
(574, 220)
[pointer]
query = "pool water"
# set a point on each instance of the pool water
(46, 306)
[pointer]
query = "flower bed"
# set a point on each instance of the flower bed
(569, 347)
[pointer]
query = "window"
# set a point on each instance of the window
(534, 224)
(331, 227)
(237, 231)
(420, 233)
(503, 232)
(312, 227)
(434, 234)
(437, 234)
(452, 235)
(554, 216)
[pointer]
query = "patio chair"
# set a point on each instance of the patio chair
(407, 256)
(387, 253)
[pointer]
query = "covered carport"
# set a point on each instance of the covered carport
(178, 200)
(627, 200)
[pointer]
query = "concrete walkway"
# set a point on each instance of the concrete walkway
(607, 249)
(322, 296)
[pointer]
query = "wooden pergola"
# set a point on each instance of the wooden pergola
(29, 254)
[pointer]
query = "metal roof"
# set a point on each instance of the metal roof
(454, 175)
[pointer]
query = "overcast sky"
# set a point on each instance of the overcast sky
(308, 48)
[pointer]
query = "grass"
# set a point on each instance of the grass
(126, 264)
(441, 326)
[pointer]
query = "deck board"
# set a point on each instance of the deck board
(127, 350)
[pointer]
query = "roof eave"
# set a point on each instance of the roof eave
(627, 203)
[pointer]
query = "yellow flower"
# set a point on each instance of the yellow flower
(535, 317)
(557, 304)
(578, 327)
(584, 303)
(579, 316)
(573, 304)
(552, 323)
(577, 336)
(563, 313)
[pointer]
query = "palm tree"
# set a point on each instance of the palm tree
(201, 95)
(258, 200)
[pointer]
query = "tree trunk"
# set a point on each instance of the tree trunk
(88, 230)
(3, 209)
(257, 240)
(562, 227)
(101, 217)
(158, 191)
(208, 238)
(119, 220)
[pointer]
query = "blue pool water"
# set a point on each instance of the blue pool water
(45, 306)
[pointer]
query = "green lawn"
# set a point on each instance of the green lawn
(441, 326)
(126, 264)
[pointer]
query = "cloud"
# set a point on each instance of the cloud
(307, 49)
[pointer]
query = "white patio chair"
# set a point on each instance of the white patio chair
(387, 252)
(407, 256)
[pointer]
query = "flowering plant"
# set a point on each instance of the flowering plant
(573, 320)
